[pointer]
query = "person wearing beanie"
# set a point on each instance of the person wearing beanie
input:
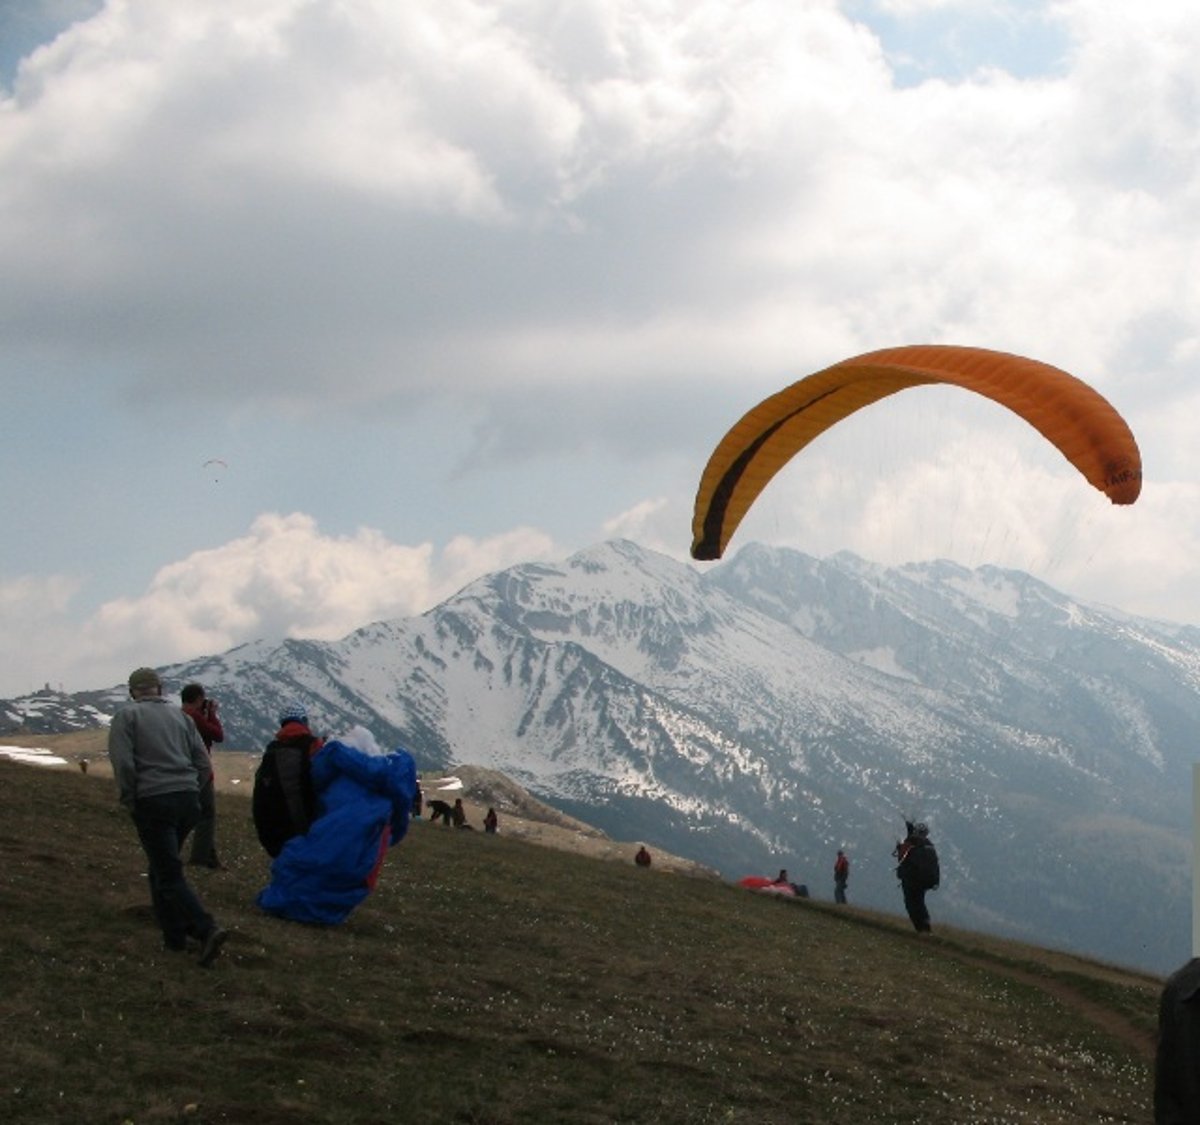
(283, 802)
(295, 731)
(293, 713)
(159, 764)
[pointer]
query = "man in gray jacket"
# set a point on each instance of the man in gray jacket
(159, 761)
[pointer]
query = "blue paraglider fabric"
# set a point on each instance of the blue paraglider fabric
(363, 804)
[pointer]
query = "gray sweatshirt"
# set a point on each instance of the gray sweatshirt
(154, 749)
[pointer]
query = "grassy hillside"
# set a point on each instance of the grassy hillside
(490, 980)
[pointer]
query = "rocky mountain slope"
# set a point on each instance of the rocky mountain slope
(776, 707)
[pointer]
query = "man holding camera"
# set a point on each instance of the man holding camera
(203, 712)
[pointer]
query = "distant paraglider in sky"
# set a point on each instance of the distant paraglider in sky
(217, 467)
(1079, 421)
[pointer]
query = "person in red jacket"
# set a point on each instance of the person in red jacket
(203, 712)
(841, 875)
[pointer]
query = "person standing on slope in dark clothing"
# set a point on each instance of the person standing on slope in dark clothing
(841, 875)
(1177, 1062)
(283, 803)
(159, 762)
(918, 873)
(203, 712)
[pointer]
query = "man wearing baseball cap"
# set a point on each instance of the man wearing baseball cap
(159, 763)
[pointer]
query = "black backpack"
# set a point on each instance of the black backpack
(284, 802)
(923, 861)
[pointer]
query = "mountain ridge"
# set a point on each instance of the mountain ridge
(772, 708)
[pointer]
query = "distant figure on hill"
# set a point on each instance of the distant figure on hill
(440, 810)
(918, 872)
(458, 814)
(491, 822)
(1177, 1063)
(800, 890)
(841, 875)
(159, 763)
(642, 859)
(203, 712)
(83, 764)
(418, 799)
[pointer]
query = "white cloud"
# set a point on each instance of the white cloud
(651, 523)
(400, 197)
(592, 233)
(909, 8)
(283, 579)
(25, 599)
(37, 638)
(464, 559)
(678, 188)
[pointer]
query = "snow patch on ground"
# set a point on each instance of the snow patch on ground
(32, 756)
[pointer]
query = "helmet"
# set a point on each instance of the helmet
(920, 830)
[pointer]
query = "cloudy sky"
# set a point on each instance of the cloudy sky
(311, 311)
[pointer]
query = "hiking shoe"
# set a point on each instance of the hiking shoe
(211, 949)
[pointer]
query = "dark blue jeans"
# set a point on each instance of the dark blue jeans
(204, 839)
(914, 903)
(162, 823)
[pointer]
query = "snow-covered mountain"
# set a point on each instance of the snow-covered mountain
(776, 707)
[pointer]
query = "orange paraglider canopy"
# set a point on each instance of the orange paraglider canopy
(1065, 410)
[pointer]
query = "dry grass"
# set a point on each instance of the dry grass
(523, 816)
(492, 981)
